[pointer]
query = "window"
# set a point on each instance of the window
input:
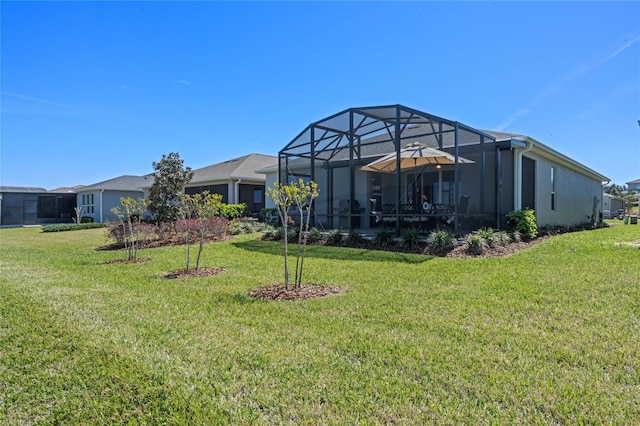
(553, 188)
(87, 203)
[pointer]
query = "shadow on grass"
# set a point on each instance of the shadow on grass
(328, 252)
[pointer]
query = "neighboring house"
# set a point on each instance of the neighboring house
(611, 204)
(490, 174)
(634, 185)
(98, 199)
(236, 180)
(35, 206)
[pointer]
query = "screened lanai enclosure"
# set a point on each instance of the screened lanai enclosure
(395, 167)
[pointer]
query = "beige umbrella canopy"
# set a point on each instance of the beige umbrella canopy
(413, 155)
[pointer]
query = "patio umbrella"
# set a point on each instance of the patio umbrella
(413, 155)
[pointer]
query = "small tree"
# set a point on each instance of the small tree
(79, 212)
(629, 201)
(284, 196)
(304, 194)
(130, 213)
(168, 187)
(204, 207)
(185, 225)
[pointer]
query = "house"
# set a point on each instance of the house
(634, 185)
(97, 200)
(236, 180)
(479, 177)
(611, 204)
(35, 206)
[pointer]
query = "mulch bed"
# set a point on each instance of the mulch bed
(460, 252)
(193, 273)
(306, 291)
(136, 260)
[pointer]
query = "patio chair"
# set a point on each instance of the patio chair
(389, 214)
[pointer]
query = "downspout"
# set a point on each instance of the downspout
(236, 191)
(517, 175)
(101, 191)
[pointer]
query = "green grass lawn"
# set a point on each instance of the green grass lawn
(550, 335)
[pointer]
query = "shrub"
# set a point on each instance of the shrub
(383, 238)
(292, 235)
(269, 215)
(187, 229)
(314, 235)
(233, 211)
(440, 242)
(216, 227)
(71, 227)
(235, 227)
(354, 238)
(145, 233)
(273, 234)
(516, 236)
(114, 232)
(335, 237)
(488, 235)
(523, 221)
(86, 219)
(503, 238)
(410, 238)
(166, 231)
(475, 244)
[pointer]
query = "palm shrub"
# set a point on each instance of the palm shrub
(292, 235)
(383, 238)
(314, 235)
(440, 242)
(354, 238)
(503, 238)
(410, 238)
(523, 221)
(335, 237)
(488, 235)
(274, 234)
(475, 244)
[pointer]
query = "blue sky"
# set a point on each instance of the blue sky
(95, 90)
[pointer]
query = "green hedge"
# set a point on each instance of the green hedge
(71, 227)
(523, 221)
(234, 211)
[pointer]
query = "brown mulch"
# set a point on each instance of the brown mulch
(159, 243)
(193, 273)
(460, 252)
(136, 260)
(306, 291)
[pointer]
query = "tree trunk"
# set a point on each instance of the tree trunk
(202, 234)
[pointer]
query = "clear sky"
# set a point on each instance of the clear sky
(95, 90)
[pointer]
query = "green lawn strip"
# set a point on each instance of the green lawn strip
(549, 335)
(51, 374)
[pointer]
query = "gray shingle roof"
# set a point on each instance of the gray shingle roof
(237, 168)
(121, 183)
